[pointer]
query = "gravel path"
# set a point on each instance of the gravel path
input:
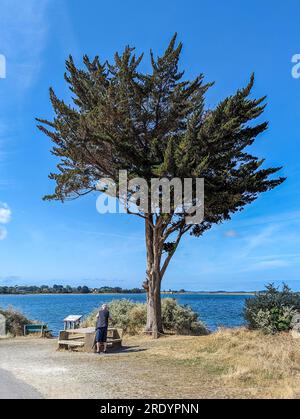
(136, 372)
(11, 388)
(55, 374)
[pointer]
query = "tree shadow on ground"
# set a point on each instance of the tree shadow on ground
(128, 349)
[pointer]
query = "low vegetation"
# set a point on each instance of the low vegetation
(230, 363)
(15, 322)
(131, 317)
(273, 310)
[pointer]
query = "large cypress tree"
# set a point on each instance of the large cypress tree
(156, 125)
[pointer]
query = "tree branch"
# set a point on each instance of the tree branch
(141, 216)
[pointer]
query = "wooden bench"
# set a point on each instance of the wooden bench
(36, 328)
(114, 338)
(68, 344)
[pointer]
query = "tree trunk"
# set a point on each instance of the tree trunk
(154, 317)
(155, 237)
(153, 282)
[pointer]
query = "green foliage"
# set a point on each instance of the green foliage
(15, 322)
(274, 320)
(181, 319)
(155, 125)
(128, 315)
(131, 317)
(273, 310)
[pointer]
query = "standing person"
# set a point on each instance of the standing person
(101, 328)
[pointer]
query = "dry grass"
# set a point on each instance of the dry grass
(227, 364)
(245, 363)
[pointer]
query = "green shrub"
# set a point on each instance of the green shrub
(181, 319)
(274, 320)
(129, 316)
(15, 322)
(272, 310)
(132, 317)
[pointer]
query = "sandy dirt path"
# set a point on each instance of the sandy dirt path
(57, 374)
(11, 388)
(54, 374)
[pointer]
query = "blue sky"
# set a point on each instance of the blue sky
(71, 243)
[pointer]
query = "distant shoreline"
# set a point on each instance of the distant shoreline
(214, 293)
(233, 293)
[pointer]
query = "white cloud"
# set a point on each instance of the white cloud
(270, 264)
(5, 213)
(260, 239)
(3, 233)
(231, 233)
(23, 34)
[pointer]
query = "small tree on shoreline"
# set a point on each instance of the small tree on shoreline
(155, 125)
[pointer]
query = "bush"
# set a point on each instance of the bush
(132, 317)
(129, 316)
(15, 322)
(181, 319)
(274, 320)
(272, 310)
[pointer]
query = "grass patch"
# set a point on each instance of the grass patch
(207, 367)
(235, 362)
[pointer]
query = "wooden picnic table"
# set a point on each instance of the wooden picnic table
(85, 338)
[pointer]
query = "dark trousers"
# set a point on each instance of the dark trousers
(101, 335)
